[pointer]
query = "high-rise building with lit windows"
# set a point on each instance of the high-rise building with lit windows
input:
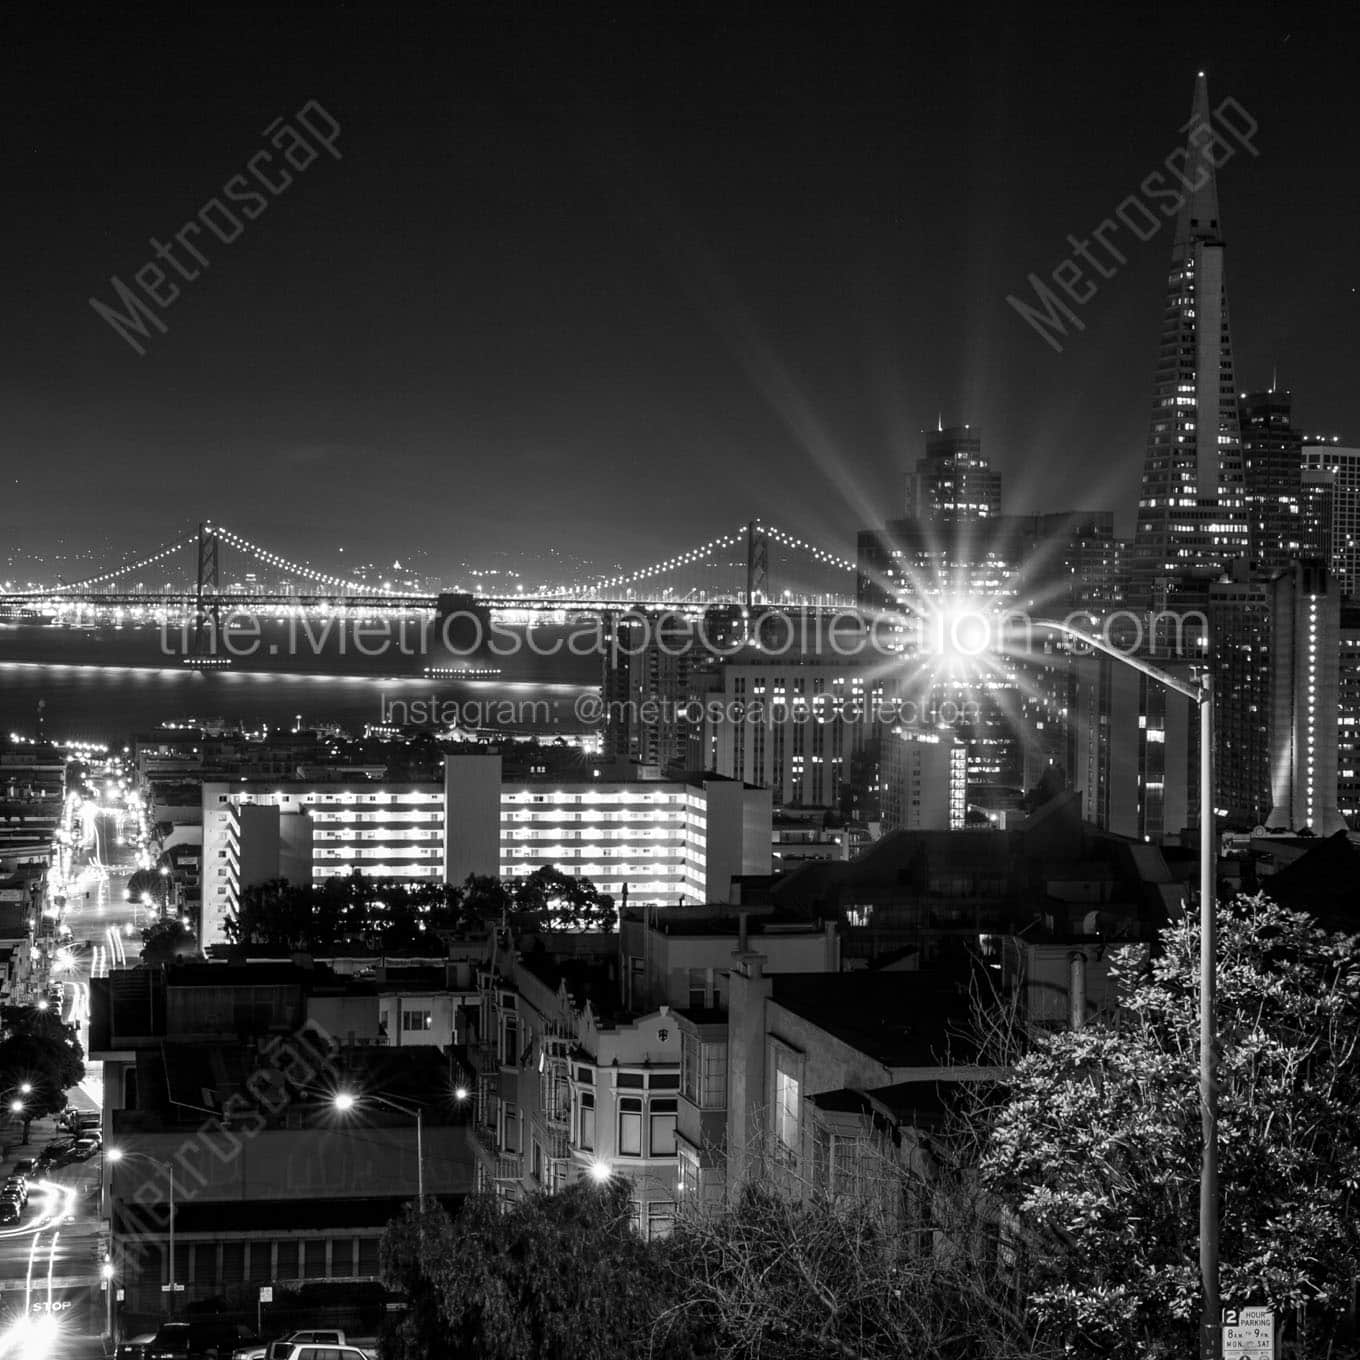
(1348, 718)
(795, 726)
(1305, 622)
(925, 781)
(954, 484)
(672, 842)
(1324, 458)
(1272, 466)
(1191, 509)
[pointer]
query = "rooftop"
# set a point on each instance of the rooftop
(900, 1019)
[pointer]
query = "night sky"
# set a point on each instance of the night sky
(614, 286)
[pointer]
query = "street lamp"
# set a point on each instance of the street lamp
(345, 1101)
(117, 1155)
(1202, 695)
(106, 1274)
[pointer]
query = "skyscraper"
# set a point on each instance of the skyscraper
(1305, 648)
(1191, 509)
(954, 485)
(1272, 463)
(1321, 458)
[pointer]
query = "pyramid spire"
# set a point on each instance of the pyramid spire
(1198, 218)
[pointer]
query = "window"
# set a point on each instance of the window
(510, 1140)
(713, 1077)
(661, 1134)
(689, 1174)
(660, 1218)
(698, 988)
(416, 1021)
(630, 1081)
(585, 1132)
(786, 1110)
(630, 1126)
(689, 1067)
(509, 1040)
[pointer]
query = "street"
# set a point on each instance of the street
(51, 1300)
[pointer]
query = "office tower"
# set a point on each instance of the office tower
(1344, 466)
(1239, 626)
(924, 780)
(1191, 515)
(795, 727)
(644, 685)
(1272, 464)
(952, 539)
(1317, 506)
(1305, 610)
(1348, 717)
(953, 485)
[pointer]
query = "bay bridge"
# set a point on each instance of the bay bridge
(732, 568)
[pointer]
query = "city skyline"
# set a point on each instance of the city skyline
(434, 338)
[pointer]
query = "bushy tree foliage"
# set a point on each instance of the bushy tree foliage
(559, 1275)
(810, 1277)
(1098, 1143)
(40, 1050)
(167, 939)
(391, 916)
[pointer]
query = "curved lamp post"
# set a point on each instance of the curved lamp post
(1202, 695)
(345, 1101)
(117, 1155)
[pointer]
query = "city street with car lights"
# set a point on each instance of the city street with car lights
(51, 1259)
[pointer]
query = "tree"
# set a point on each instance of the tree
(1096, 1145)
(561, 1275)
(808, 1276)
(557, 901)
(167, 939)
(41, 1052)
(148, 883)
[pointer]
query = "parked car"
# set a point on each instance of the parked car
(135, 1347)
(314, 1352)
(9, 1211)
(331, 1336)
(16, 1185)
(200, 1339)
(23, 1167)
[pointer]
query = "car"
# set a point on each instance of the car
(326, 1336)
(312, 1351)
(201, 1339)
(135, 1347)
(23, 1167)
(9, 1211)
(18, 1186)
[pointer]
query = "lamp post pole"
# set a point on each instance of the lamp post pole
(1202, 695)
(117, 1155)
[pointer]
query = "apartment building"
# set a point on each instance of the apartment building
(666, 841)
(310, 832)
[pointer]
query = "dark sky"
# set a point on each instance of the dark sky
(615, 286)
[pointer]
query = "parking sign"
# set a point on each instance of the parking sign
(1248, 1334)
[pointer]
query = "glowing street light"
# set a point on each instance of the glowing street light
(345, 1101)
(600, 1172)
(116, 1155)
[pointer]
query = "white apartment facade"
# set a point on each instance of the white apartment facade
(664, 841)
(253, 832)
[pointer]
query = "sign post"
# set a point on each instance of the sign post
(266, 1296)
(1248, 1334)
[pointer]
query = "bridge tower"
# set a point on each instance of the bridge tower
(207, 596)
(757, 564)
